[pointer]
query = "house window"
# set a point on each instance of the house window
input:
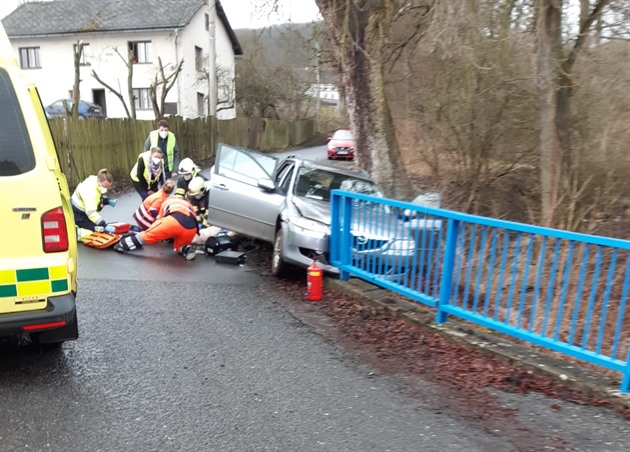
(207, 22)
(84, 59)
(141, 99)
(29, 57)
(201, 105)
(140, 51)
(199, 58)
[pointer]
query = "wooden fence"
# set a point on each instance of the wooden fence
(85, 146)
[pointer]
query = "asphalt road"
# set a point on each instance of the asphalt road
(199, 356)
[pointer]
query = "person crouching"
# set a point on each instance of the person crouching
(176, 220)
(148, 211)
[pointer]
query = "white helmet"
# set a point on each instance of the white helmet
(197, 187)
(186, 166)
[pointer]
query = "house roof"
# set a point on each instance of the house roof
(62, 17)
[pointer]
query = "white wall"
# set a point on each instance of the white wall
(56, 76)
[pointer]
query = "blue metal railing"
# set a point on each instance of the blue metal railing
(561, 290)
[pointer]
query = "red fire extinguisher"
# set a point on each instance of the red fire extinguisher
(314, 282)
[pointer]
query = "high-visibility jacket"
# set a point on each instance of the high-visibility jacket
(176, 205)
(141, 171)
(148, 211)
(87, 198)
(171, 141)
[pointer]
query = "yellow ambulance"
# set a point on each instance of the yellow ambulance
(38, 248)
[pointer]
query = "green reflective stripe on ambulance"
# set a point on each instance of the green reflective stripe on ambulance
(33, 281)
(33, 288)
(32, 274)
(60, 285)
(8, 291)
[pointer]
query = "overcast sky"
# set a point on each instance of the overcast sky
(242, 13)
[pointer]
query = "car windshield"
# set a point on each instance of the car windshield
(342, 135)
(316, 183)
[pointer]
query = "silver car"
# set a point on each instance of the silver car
(287, 203)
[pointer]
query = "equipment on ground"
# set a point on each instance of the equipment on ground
(101, 240)
(230, 257)
(314, 282)
(219, 243)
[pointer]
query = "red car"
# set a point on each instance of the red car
(341, 145)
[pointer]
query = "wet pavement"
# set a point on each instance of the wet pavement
(179, 355)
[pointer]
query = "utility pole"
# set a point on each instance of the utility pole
(317, 85)
(212, 59)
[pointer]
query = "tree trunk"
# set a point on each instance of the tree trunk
(359, 37)
(76, 92)
(548, 68)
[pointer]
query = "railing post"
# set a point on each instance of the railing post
(625, 381)
(446, 283)
(346, 245)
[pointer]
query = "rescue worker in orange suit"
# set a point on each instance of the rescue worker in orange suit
(148, 172)
(176, 220)
(148, 211)
(88, 200)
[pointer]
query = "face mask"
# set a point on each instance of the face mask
(103, 190)
(187, 176)
(163, 133)
(156, 160)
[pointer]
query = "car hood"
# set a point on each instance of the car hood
(313, 209)
(373, 226)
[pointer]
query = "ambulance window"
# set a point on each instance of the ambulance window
(16, 150)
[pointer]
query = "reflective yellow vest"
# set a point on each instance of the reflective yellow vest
(170, 146)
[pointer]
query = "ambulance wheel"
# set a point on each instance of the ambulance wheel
(279, 267)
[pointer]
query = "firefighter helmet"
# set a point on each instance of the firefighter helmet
(187, 166)
(197, 187)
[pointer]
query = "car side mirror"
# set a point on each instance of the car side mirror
(266, 184)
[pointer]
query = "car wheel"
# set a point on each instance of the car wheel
(279, 267)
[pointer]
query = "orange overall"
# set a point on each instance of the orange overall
(148, 211)
(176, 220)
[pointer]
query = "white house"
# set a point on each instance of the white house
(45, 33)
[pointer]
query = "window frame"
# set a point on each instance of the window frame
(199, 59)
(146, 53)
(138, 98)
(25, 57)
(83, 59)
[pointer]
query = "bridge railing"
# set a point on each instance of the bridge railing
(561, 290)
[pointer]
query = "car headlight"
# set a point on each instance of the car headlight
(402, 245)
(309, 224)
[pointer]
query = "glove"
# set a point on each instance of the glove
(112, 202)
(99, 228)
(110, 229)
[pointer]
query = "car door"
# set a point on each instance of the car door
(237, 202)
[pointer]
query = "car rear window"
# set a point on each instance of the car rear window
(16, 149)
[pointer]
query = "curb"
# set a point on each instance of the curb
(534, 359)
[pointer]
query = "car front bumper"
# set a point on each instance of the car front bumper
(302, 246)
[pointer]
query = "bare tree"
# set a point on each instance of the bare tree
(129, 65)
(359, 32)
(76, 93)
(554, 74)
(161, 85)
